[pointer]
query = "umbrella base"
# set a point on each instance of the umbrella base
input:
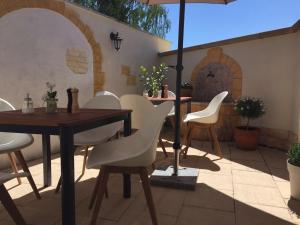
(186, 178)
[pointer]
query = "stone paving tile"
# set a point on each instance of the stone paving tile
(251, 166)
(258, 195)
(207, 197)
(280, 174)
(251, 214)
(284, 188)
(252, 178)
(238, 187)
(195, 216)
(216, 181)
(237, 154)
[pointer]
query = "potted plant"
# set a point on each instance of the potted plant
(186, 89)
(153, 80)
(293, 166)
(50, 98)
(247, 137)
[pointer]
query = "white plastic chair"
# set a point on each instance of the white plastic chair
(140, 111)
(98, 135)
(171, 94)
(7, 201)
(131, 155)
(12, 143)
(206, 118)
(100, 93)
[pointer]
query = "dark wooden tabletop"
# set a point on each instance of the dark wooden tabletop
(159, 99)
(60, 118)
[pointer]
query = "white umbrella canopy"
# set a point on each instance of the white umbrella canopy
(153, 2)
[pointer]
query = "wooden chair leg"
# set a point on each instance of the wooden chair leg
(216, 142)
(104, 175)
(86, 152)
(95, 191)
(14, 166)
(161, 143)
(10, 206)
(24, 166)
(58, 185)
(147, 190)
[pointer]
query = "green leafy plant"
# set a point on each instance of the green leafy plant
(294, 154)
(249, 108)
(51, 94)
(153, 80)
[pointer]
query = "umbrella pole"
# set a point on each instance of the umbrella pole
(173, 176)
(179, 68)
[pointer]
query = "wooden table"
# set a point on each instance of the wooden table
(65, 125)
(186, 100)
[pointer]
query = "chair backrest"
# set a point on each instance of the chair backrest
(140, 107)
(100, 93)
(5, 105)
(6, 138)
(215, 104)
(103, 102)
(150, 132)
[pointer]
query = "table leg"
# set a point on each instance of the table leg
(67, 175)
(46, 159)
(126, 177)
(189, 107)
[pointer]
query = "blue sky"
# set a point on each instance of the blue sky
(207, 22)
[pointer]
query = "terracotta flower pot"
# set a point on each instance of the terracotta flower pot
(246, 139)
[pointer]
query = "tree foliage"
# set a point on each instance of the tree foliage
(153, 19)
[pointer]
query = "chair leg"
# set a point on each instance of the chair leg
(14, 166)
(24, 166)
(161, 143)
(216, 142)
(188, 139)
(86, 152)
(58, 185)
(95, 191)
(147, 190)
(104, 175)
(10, 206)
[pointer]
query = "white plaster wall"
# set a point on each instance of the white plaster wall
(296, 99)
(268, 73)
(33, 44)
(138, 48)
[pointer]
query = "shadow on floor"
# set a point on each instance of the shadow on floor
(205, 204)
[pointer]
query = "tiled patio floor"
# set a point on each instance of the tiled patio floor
(243, 188)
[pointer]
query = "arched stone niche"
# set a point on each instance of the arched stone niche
(215, 73)
(7, 6)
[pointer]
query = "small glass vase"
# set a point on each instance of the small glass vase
(51, 105)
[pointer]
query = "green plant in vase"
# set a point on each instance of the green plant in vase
(50, 98)
(247, 137)
(153, 80)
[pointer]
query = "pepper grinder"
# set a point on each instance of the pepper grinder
(70, 100)
(75, 105)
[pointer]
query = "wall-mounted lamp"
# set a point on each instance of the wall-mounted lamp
(114, 37)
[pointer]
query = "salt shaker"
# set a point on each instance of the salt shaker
(27, 107)
(75, 105)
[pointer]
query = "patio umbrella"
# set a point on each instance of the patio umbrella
(187, 173)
